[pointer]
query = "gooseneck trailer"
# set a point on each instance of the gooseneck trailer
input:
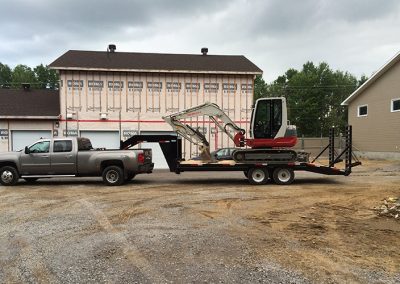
(258, 173)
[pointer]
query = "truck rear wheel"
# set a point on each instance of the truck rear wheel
(113, 175)
(283, 176)
(8, 176)
(258, 176)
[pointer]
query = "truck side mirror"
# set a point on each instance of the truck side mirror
(27, 151)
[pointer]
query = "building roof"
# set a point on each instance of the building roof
(372, 79)
(31, 103)
(154, 62)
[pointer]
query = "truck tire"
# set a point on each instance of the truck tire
(258, 176)
(8, 176)
(113, 176)
(283, 176)
(129, 176)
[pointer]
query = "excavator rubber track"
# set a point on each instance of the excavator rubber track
(276, 156)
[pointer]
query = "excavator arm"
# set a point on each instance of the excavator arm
(217, 115)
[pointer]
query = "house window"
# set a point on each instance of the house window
(395, 105)
(363, 110)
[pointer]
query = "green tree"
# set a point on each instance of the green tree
(23, 74)
(46, 78)
(5, 75)
(314, 95)
(260, 87)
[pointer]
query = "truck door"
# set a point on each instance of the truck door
(37, 162)
(63, 160)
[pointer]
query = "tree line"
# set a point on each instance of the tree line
(313, 96)
(40, 77)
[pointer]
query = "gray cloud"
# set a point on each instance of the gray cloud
(356, 35)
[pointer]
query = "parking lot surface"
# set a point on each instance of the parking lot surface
(202, 227)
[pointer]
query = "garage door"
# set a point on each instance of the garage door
(158, 156)
(22, 138)
(102, 139)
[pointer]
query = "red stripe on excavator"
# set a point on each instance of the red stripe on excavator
(286, 142)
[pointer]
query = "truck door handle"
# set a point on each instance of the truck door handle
(45, 156)
(68, 156)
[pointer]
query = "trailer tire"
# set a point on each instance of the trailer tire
(8, 176)
(283, 176)
(113, 176)
(258, 176)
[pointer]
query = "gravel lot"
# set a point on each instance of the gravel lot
(202, 227)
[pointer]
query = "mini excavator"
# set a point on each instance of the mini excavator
(271, 135)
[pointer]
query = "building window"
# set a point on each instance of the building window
(395, 105)
(362, 110)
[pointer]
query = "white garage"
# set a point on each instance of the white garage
(22, 138)
(158, 156)
(102, 139)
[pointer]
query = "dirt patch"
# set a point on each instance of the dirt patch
(203, 227)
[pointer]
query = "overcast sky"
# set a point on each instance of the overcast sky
(354, 35)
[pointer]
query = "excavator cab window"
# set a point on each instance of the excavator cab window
(268, 118)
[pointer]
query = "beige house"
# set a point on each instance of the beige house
(374, 113)
(109, 96)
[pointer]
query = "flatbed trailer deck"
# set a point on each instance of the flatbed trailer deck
(257, 173)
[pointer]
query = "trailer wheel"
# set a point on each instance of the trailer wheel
(113, 175)
(8, 176)
(258, 176)
(283, 176)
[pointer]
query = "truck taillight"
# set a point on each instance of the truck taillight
(140, 158)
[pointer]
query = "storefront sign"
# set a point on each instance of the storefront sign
(135, 85)
(129, 133)
(4, 134)
(211, 87)
(193, 87)
(115, 85)
(154, 86)
(75, 84)
(246, 87)
(176, 86)
(95, 85)
(231, 87)
(70, 132)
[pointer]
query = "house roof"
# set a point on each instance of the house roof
(31, 103)
(372, 79)
(154, 62)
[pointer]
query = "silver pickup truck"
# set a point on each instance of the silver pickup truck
(60, 157)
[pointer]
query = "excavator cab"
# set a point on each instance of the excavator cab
(267, 120)
(269, 126)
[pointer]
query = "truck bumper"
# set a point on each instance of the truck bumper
(146, 168)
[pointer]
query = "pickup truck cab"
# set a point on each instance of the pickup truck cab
(73, 156)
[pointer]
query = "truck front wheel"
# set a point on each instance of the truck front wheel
(113, 175)
(8, 176)
(258, 176)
